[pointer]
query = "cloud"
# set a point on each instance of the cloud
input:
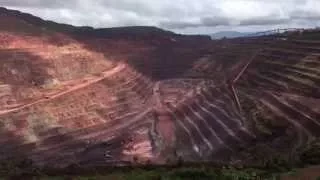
(307, 11)
(264, 21)
(178, 24)
(177, 15)
(215, 21)
(37, 3)
(206, 21)
(305, 15)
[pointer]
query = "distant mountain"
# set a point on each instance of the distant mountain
(228, 34)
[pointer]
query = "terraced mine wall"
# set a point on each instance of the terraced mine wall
(69, 123)
(271, 101)
(98, 101)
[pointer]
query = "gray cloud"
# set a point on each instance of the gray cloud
(178, 24)
(37, 3)
(206, 21)
(215, 21)
(305, 15)
(178, 15)
(264, 21)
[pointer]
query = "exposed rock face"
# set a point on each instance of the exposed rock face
(78, 95)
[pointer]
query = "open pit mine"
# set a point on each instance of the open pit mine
(140, 95)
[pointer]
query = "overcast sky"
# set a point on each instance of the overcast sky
(182, 16)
